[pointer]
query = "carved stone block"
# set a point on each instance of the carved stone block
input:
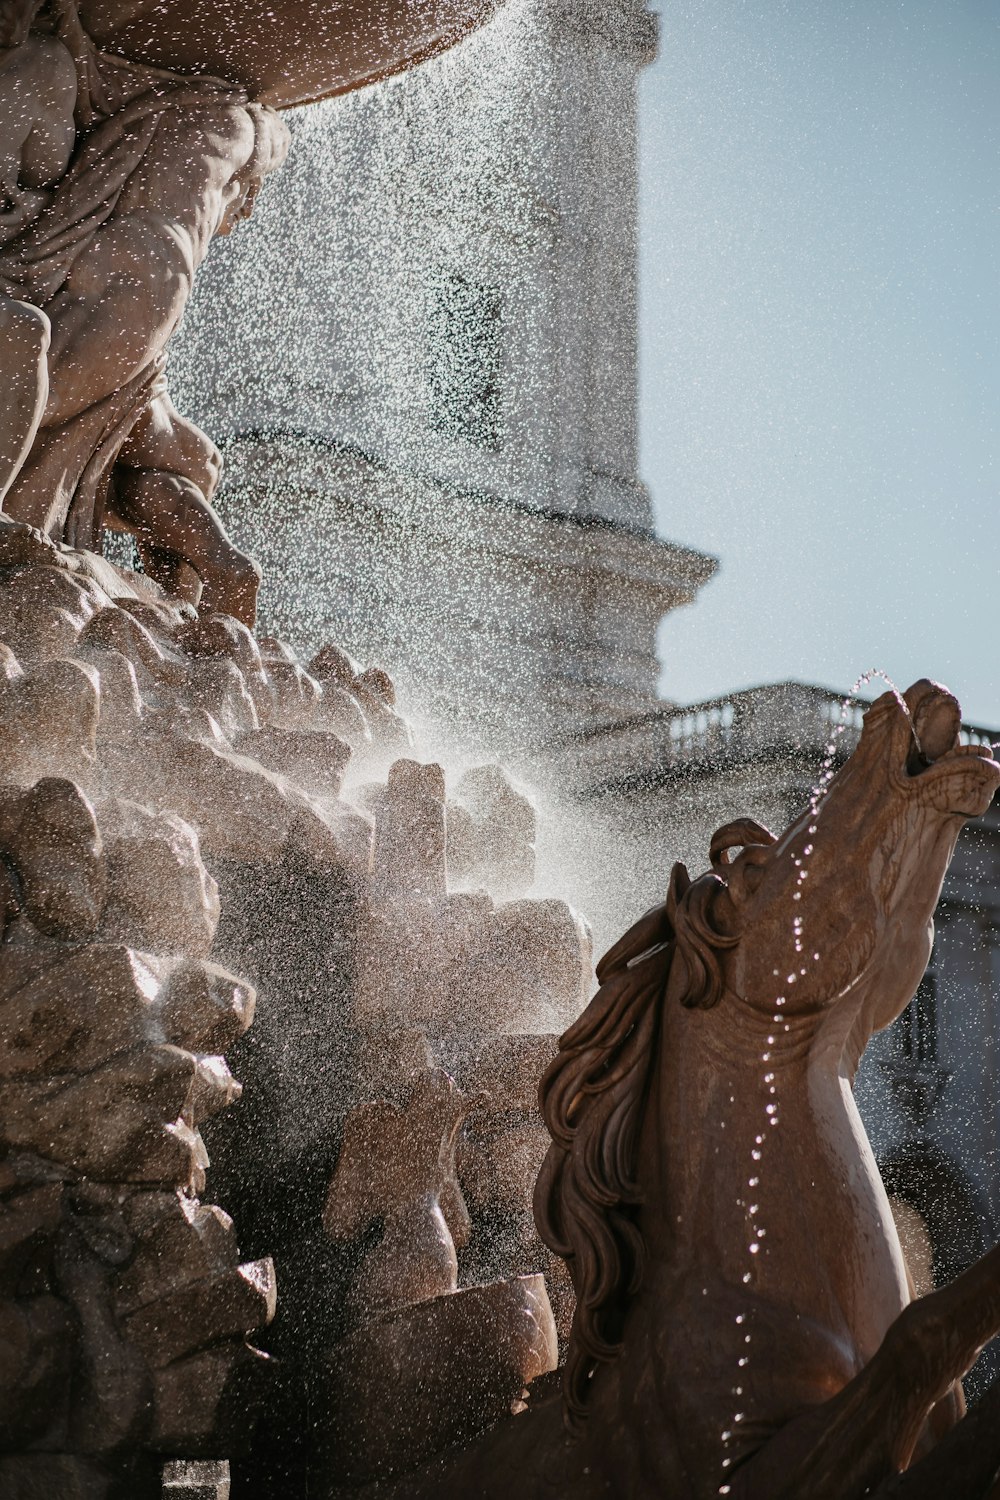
(48, 721)
(120, 1122)
(181, 1322)
(216, 684)
(181, 1241)
(160, 896)
(204, 1007)
(206, 1404)
(430, 1376)
(315, 759)
(410, 831)
(86, 1005)
(196, 1481)
(491, 833)
(49, 834)
(45, 609)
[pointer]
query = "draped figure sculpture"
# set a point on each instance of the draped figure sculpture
(116, 176)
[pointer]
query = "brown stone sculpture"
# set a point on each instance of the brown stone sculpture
(119, 161)
(398, 1165)
(116, 177)
(415, 1333)
(124, 1307)
(744, 1323)
(289, 52)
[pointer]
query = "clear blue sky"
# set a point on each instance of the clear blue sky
(820, 323)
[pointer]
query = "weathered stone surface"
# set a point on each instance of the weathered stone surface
(48, 721)
(23, 545)
(186, 1242)
(52, 1476)
(427, 962)
(461, 964)
(9, 903)
(332, 665)
(389, 1060)
(216, 685)
(183, 1480)
(160, 896)
(506, 1070)
(115, 1123)
(206, 1404)
(10, 667)
(420, 1380)
(216, 635)
(341, 839)
(497, 1168)
(45, 609)
(114, 629)
(84, 1006)
(35, 1364)
(183, 1321)
(121, 703)
(314, 759)
(49, 834)
(409, 852)
(491, 833)
(294, 694)
(111, 1383)
(397, 1163)
(204, 1007)
(164, 617)
(542, 952)
(339, 713)
(214, 1088)
(376, 692)
(27, 1220)
(241, 810)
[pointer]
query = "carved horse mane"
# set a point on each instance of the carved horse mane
(593, 1098)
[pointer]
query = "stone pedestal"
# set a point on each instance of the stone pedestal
(421, 1379)
(196, 1481)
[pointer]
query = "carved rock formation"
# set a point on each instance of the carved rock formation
(115, 1282)
(151, 756)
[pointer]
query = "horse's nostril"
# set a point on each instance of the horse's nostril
(936, 722)
(936, 719)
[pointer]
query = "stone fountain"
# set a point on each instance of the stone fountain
(215, 854)
(154, 753)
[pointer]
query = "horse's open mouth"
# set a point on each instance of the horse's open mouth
(918, 763)
(936, 722)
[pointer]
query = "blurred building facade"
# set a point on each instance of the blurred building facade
(427, 390)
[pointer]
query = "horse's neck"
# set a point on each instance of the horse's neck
(757, 1170)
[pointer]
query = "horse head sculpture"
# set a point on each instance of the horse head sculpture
(744, 1321)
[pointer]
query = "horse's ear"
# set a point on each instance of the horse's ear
(680, 881)
(736, 836)
(651, 931)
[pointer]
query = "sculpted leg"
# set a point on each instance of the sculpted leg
(174, 522)
(24, 338)
(966, 1463)
(164, 476)
(858, 1442)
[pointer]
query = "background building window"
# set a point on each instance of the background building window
(915, 1033)
(465, 327)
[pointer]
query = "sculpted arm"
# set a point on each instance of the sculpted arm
(37, 134)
